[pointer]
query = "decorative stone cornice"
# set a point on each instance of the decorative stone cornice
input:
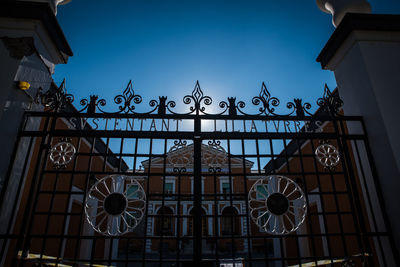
(40, 12)
(183, 157)
(19, 47)
(52, 3)
(357, 22)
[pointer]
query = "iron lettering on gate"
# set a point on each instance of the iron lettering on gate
(118, 185)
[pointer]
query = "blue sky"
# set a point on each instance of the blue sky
(231, 47)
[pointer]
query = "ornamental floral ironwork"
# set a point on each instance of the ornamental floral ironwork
(112, 208)
(197, 102)
(213, 155)
(330, 101)
(327, 155)
(277, 204)
(176, 157)
(62, 153)
(54, 99)
(197, 98)
(268, 102)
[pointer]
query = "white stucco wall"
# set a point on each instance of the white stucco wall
(367, 72)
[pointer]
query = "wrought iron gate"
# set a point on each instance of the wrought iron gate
(93, 187)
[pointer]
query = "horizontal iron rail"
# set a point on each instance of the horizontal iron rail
(187, 173)
(191, 216)
(167, 196)
(156, 237)
(191, 116)
(190, 134)
(154, 260)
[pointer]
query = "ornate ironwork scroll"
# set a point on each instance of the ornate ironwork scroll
(55, 100)
(330, 102)
(268, 102)
(297, 106)
(213, 155)
(197, 101)
(198, 98)
(217, 158)
(177, 157)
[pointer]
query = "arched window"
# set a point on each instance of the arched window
(230, 221)
(203, 223)
(164, 222)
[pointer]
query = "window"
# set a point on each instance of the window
(263, 220)
(261, 192)
(164, 223)
(225, 189)
(130, 218)
(231, 265)
(230, 222)
(168, 189)
(166, 226)
(132, 191)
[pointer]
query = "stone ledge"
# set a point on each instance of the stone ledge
(41, 12)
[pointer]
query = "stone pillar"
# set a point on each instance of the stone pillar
(31, 44)
(364, 54)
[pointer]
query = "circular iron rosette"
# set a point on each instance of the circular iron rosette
(327, 155)
(62, 153)
(112, 208)
(277, 204)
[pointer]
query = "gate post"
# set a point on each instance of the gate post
(31, 44)
(197, 242)
(364, 54)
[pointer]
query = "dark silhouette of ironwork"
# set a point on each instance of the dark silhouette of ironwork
(197, 102)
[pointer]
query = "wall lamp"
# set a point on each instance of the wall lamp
(23, 85)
